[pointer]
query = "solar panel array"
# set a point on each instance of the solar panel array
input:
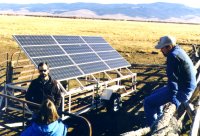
(71, 56)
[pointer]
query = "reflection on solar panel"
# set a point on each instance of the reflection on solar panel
(71, 56)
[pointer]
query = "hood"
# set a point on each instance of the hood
(56, 128)
(49, 129)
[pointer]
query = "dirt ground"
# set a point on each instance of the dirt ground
(130, 117)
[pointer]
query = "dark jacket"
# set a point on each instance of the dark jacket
(56, 128)
(181, 74)
(38, 91)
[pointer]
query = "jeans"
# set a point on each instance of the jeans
(153, 103)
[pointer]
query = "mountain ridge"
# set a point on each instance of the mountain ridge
(159, 11)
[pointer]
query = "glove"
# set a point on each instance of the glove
(176, 102)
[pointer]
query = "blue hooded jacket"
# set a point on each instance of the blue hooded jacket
(181, 75)
(56, 128)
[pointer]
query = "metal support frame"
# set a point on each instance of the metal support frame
(69, 93)
(11, 93)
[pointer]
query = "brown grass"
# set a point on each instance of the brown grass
(122, 35)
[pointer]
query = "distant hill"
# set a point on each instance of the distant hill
(159, 11)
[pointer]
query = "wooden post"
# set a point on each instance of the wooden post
(160, 127)
(195, 49)
(139, 132)
(9, 72)
(195, 128)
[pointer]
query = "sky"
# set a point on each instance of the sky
(191, 3)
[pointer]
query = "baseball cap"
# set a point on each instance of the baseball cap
(165, 41)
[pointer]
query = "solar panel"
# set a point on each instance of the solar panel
(36, 51)
(118, 63)
(101, 47)
(93, 67)
(68, 40)
(88, 39)
(84, 58)
(71, 49)
(26, 40)
(65, 72)
(109, 55)
(54, 61)
(71, 56)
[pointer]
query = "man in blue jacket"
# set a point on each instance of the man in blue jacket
(181, 79)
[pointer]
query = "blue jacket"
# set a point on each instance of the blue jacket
(181, 75)
(56, 128)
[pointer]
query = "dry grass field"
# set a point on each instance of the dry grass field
(135, 37)
(134, 40)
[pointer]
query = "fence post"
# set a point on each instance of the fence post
(9, 77)
(196, 52)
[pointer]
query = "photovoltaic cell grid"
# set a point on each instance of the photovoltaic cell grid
(65, 72)
(117, 63)
(72, 49)
(109, 55)
(85, 58)
(93, 67)
(39, 51)
(71, 56)
(25, 40)
(68, 39)
(55, 61)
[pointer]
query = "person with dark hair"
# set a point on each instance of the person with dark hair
(181, 82)
(43, 87)
(47, 122)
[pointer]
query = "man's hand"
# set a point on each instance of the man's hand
(176, 102)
